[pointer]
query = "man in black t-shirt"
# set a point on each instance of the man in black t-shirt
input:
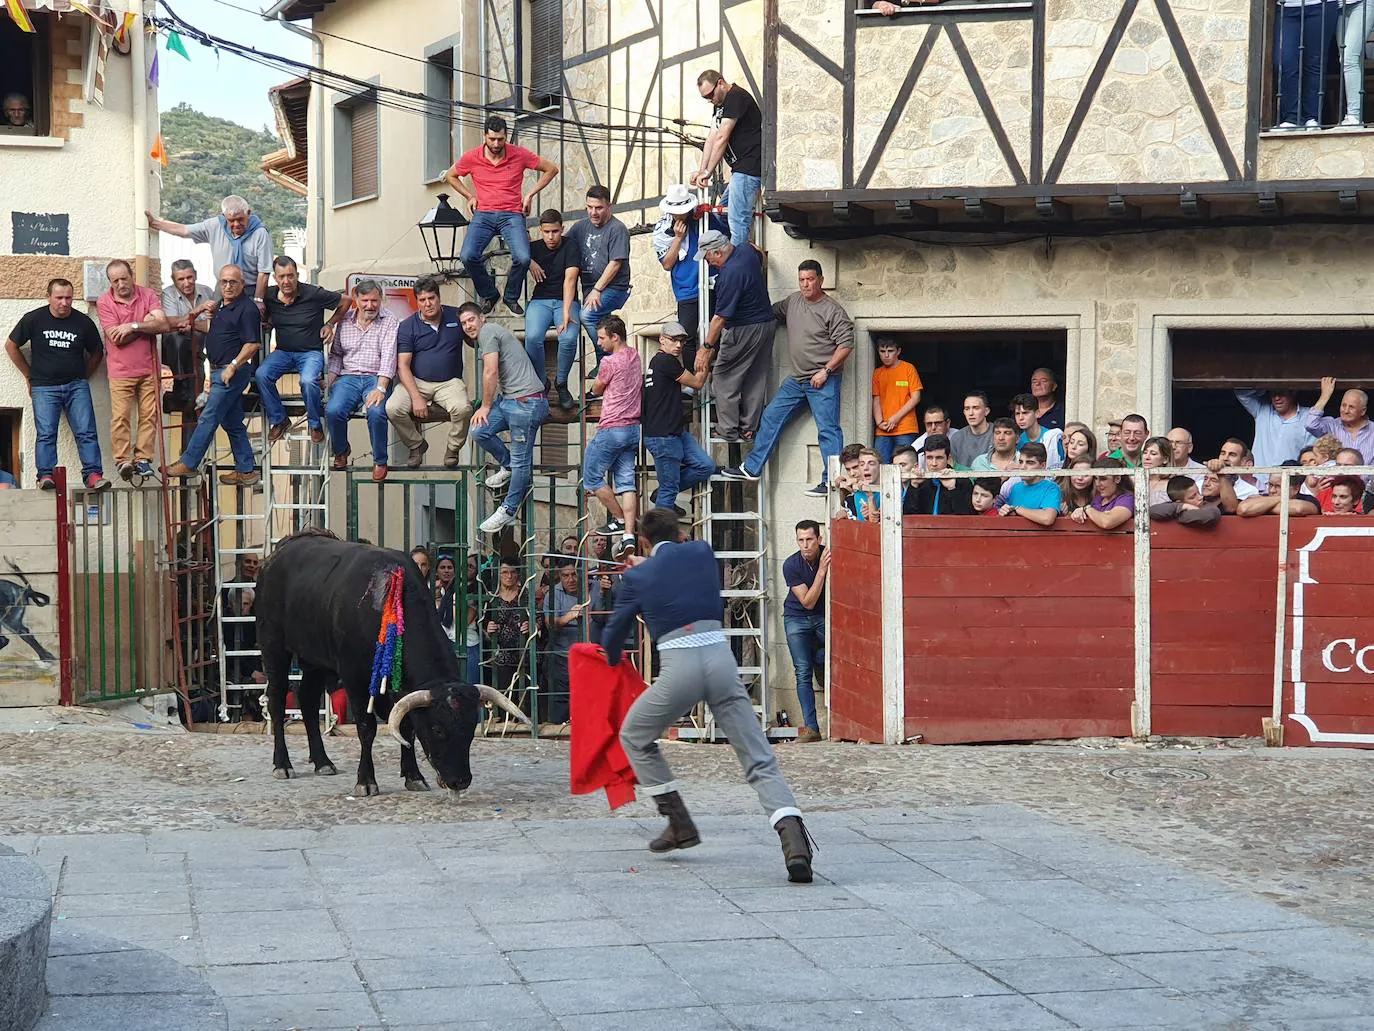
(679, 461)
(555, 263)
(296, 311)
(737, 136)
(64, 349)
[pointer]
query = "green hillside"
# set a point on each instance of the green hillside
(210, 158)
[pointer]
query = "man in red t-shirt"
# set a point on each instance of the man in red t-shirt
(498, 205)
(131, 316)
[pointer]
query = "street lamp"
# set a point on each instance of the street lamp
(439, 229)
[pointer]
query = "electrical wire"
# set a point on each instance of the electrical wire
(592, 133)
(496, 79)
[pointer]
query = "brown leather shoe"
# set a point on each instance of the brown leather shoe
(378, 473)
(805, 736)
(451, 460)
(341, 461)
(181, 470)
(681, 832)
(416, 457)
(796, 849)
(238, 479)
(317, 435)
(279, 430)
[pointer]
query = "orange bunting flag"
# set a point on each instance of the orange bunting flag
(121, 34)
(20, 16)
(159, 152)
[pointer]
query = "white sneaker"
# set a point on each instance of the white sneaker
(498, 479)
(1311, 123)
(495, 522)
(1286, 127)
(1352, 122)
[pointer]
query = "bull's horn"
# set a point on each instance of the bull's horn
(496, 698)
(414, 700)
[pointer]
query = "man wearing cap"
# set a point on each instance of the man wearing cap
(742, 329)
(679, 461)
(675, 246)
(820, 337)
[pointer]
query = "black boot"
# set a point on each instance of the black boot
(681, 832)
(796, 849)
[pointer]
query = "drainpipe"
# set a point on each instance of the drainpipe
(315, 144)
(138, 74)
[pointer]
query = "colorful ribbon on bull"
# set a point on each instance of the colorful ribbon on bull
(386, 660)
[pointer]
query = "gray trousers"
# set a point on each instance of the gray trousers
(704, 674)
(741, 377)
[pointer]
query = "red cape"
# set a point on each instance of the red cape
(601, 695)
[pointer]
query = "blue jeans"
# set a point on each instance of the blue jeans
(346, 396)
(542, 315)
(48, 405)
(792, 394)
(474, 658)
(309, 365)
(522, 416)
(612, 451)
(612, 300)
(224, 408)
(886, 446)
(740, 195)
(1302, 38)
(806, 645)
(511, 227)
(679, 464)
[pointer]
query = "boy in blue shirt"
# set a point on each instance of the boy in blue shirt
(1029, 496)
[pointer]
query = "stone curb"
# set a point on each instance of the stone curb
(25, 920)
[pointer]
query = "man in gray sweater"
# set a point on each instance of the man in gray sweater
(820, 337)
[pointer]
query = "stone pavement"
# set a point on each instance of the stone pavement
(980, 917)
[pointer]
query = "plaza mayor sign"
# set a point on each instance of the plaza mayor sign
(1330, 689)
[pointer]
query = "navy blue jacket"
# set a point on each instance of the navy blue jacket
(678, 585)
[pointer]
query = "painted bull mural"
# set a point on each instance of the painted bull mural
(15, 599)
(321, 601)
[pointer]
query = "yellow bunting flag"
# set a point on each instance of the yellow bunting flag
(20, 16)
(121, 35)
(159, 152)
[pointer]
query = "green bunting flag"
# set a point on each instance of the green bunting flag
(175, 45)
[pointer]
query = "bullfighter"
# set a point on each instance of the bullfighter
(677, 589)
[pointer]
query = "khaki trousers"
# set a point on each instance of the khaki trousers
(124, 394)
(447, 401)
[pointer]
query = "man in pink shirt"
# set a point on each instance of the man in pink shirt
(131, 317)
(498, 204)
(619, 381)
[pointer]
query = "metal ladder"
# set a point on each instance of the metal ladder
(736, 527)
(292, 495)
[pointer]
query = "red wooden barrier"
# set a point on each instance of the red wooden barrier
(855, 639)
(1015, 633)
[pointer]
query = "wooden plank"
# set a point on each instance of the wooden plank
(924, 672)
(1208, 721)
(1222, 596)
(1239, 657)
(1295, 734)
(855, 575)
(1238, 565)
(1230, 533)
(1329, 568)
(852, 535)
(1335, 599)
(1182, 630)
(992, 580)
(991, 638)
(958, 732)
(1023, 703)
(1014, 552)
(1208, 688)
(991, 529)
(1340, 699)
(996, 613)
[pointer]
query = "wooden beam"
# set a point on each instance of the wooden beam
(1053, 210)
(1350, 202)
(785, 214)
(913, 211)
(1119, 207)
(1194, 206)
(854, 214)
(978, 210)
(1270, 203)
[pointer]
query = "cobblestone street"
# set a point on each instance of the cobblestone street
(1017, 887)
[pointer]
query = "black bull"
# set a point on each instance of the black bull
(319, 600)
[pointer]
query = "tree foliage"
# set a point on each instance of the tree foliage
(210, 158)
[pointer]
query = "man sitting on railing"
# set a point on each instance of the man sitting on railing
(611, 454)
(1030, 496)
(1299, 502)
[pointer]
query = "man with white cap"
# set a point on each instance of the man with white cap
(742, 330)
(675, 246)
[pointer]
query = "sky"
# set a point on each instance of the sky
(225, 85)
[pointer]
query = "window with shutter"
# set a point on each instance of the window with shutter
(546, 52)
(441, 131)
(363, 178)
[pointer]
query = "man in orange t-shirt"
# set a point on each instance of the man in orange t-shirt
(896, 393)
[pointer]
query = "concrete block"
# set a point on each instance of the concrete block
(168, 1012)
(586, 963)
(979, 1013)
(444, 971)
(891, 950)
(615, 995)
(135, 972)
(496, 1004)
(1129, 1007)
(698, 1018)
(279, 1012)
(291, 978)
(925, 981)
(1062, 974)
